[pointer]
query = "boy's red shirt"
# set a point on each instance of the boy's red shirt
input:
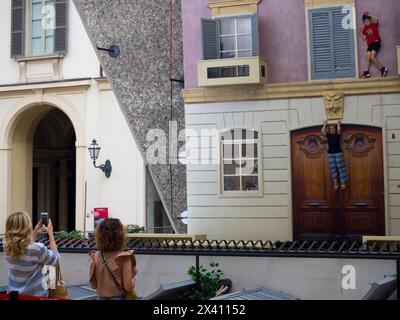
(372, 33)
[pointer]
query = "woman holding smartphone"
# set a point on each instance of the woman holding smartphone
(25, 257)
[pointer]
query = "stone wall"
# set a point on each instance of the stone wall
(307, 279)
(140, 76)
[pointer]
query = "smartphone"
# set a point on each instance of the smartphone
(44, 216)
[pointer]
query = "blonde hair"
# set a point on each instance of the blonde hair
(18, 234)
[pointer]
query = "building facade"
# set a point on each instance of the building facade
(261, 76)
(54, 100)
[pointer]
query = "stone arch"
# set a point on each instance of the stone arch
(16, 138)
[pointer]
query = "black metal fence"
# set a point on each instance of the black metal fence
(281, 249)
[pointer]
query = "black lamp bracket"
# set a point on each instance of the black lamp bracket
(113, 51)
(106, 167)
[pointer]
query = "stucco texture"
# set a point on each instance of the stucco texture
(140, 76)
(283, 37)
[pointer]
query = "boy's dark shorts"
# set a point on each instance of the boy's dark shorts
(376, 46)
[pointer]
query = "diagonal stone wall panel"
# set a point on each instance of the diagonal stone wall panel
(140, 77)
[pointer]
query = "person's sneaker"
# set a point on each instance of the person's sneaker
(365, 75)
(384, 72)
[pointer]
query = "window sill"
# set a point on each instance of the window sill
(256, 194)
(40, 58)
(256, 66)
(40, 68)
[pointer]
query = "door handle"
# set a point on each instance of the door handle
(315, 204)
(362, 204)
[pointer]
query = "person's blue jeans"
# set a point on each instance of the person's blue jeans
(111, 298)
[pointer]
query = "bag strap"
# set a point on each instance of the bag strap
(58, 271)
(112, 276)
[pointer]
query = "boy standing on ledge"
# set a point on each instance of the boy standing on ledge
(370, 33)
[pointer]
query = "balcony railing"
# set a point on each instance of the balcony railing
(222, 72)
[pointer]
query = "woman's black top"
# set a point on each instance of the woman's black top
(334, 141)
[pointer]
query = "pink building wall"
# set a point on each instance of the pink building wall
(283, 38)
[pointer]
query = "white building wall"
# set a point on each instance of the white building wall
(81, 60)
(101, 118)
(9, 70)
(270, 216)
(124, 193)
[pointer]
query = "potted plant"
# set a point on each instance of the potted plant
(208, 283)
(134, 228)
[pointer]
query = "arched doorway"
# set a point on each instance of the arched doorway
(321, 213)
(43, 165)
(53, 170)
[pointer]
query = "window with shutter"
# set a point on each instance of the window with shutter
(46, 27)
(17, 28)
(61, 28)
(230, 37)
(331, 45)
(210, 35)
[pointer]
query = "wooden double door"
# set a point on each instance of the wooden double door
(319, 212)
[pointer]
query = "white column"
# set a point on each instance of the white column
(63, 195)
(80, 214)
(5, 187)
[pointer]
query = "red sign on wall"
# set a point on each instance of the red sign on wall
(99, 215)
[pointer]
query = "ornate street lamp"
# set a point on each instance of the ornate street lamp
(94, 151)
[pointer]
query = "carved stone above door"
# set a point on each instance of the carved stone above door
(334, 105)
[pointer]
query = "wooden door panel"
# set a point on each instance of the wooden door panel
(363, 201)
(319, 211)
(316, 221)
(312, 194)
(360, 222)
(313, 173)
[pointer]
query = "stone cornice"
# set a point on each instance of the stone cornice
(104, 84)
(80, 85)
(231, 3)
(291, 90)
(327, 3)
(227, 7)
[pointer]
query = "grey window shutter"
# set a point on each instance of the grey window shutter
(61, 30)
(332, 46)
(17, 28)
(343, 46)
(321, 44)
(210, 36)
(255, 35)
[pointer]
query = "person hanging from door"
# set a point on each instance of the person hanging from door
(335, 155)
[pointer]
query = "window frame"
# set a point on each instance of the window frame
(237, 16)
(236, 35)
(355, 37)
(29, 31)
(221, 185)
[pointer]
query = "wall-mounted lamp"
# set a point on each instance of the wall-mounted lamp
(113, 51)
(94, 151)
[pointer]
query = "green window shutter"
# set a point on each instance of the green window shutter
(343, 47)
(331, 46)
(17, 28)
(61, 28)
(210, 36)
(255, 35)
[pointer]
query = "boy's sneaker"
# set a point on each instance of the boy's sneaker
(365, 75)
(384, 72)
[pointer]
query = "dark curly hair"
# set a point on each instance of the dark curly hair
(110, 236)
